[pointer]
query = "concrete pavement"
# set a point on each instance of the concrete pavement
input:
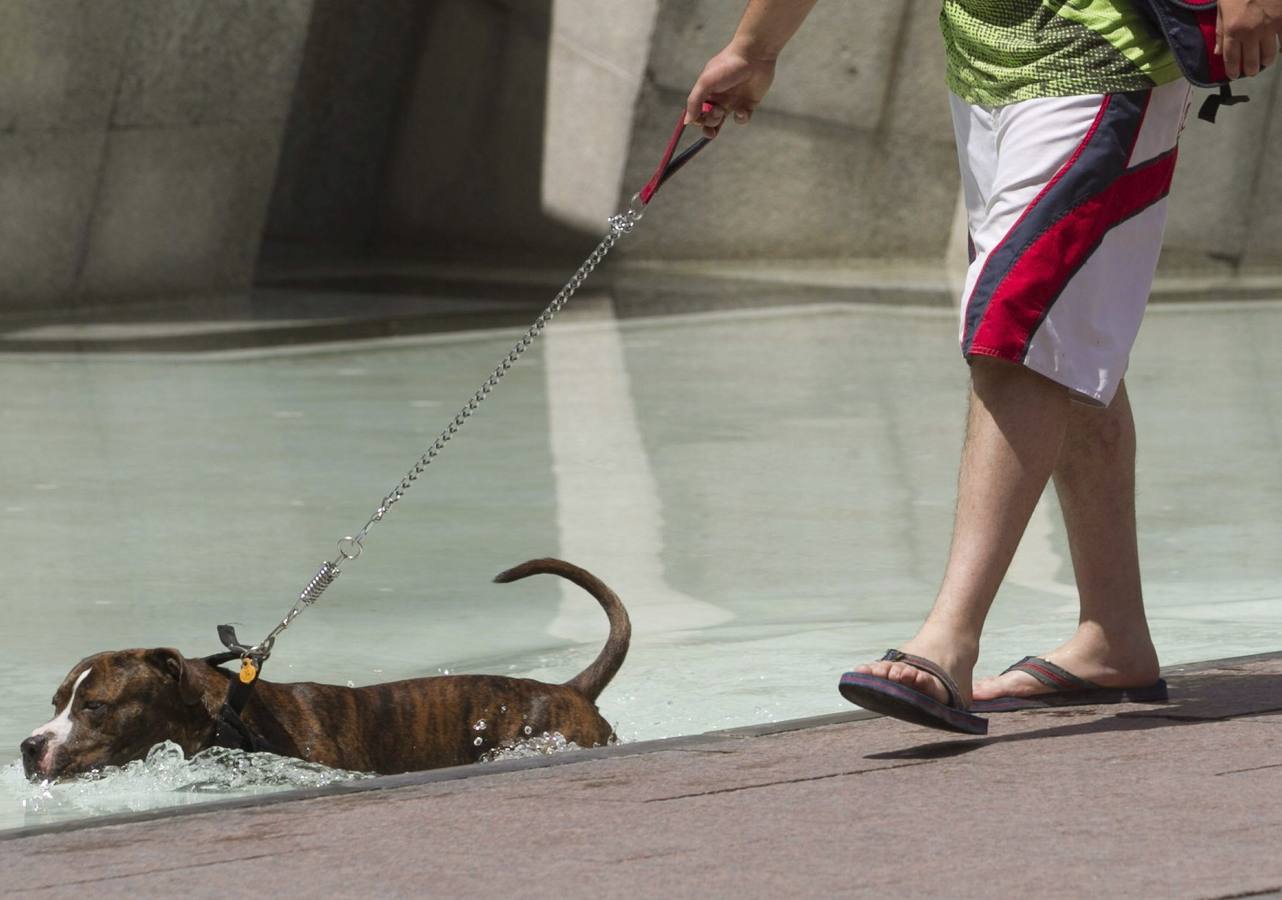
(1179, 800)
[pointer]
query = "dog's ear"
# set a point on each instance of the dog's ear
(173, 664)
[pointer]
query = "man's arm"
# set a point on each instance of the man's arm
(737, 78)
(1248, 35)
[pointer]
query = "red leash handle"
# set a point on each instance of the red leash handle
(669, 166)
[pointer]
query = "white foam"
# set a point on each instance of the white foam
(544, 744)
(164, 778)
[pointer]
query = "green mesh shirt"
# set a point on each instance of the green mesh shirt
(1003, 51)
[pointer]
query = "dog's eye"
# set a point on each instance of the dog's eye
(94, 704)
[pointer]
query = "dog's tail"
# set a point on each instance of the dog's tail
(592, 680)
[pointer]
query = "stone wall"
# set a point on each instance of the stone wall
(138, 145)
(139, 141)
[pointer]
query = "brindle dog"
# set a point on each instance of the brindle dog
(113, 707)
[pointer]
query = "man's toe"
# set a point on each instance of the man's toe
(908, 676)
(1009, 684)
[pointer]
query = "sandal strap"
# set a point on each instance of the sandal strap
(931, 668)
(1051, 675)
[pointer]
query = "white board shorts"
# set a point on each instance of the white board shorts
(1066, 205)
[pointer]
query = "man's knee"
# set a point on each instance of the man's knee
(1098, 433)
(988, 373)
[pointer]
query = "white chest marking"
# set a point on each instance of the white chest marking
(59, 727)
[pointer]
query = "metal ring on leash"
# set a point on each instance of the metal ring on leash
(346, 545)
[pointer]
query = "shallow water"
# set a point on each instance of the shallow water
(770, 493)
(165, 778)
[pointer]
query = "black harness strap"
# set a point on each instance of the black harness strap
(217, 659)
(230, 729)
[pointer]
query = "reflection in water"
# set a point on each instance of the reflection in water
(603, 478)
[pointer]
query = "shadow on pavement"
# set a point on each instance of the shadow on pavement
(1195, 699)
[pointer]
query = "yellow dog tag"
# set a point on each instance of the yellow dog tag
(248, 671)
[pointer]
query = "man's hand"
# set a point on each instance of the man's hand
(736, 79)
(1247, 35)
(733, 83)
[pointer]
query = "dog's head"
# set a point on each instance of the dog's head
(114, 707)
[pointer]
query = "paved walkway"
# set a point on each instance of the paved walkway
(1181, 800)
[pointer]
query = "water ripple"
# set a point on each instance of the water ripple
(165, 778)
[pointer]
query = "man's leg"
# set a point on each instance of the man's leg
(1023, 197)
(1095, 481)
(1014, 434)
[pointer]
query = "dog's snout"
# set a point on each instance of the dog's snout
(32, 749)
(33, 746)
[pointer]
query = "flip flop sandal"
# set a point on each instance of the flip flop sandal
(890, 698)
(1066, 689)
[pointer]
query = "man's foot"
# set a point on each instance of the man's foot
(955, 656)
(1088, 656)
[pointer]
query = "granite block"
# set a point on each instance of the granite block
(588, 124)
(46, 191)
(465, 175)
(918, 91)
(60, 62)
(597, 58)
(202, 63)
(616, 33)
(179, 210)
(906, 197)
(344, 114)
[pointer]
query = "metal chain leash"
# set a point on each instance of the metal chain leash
(351, 546)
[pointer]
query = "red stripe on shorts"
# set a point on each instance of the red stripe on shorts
(1046, 266)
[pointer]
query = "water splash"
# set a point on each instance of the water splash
(165, 778)
(544, 744)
